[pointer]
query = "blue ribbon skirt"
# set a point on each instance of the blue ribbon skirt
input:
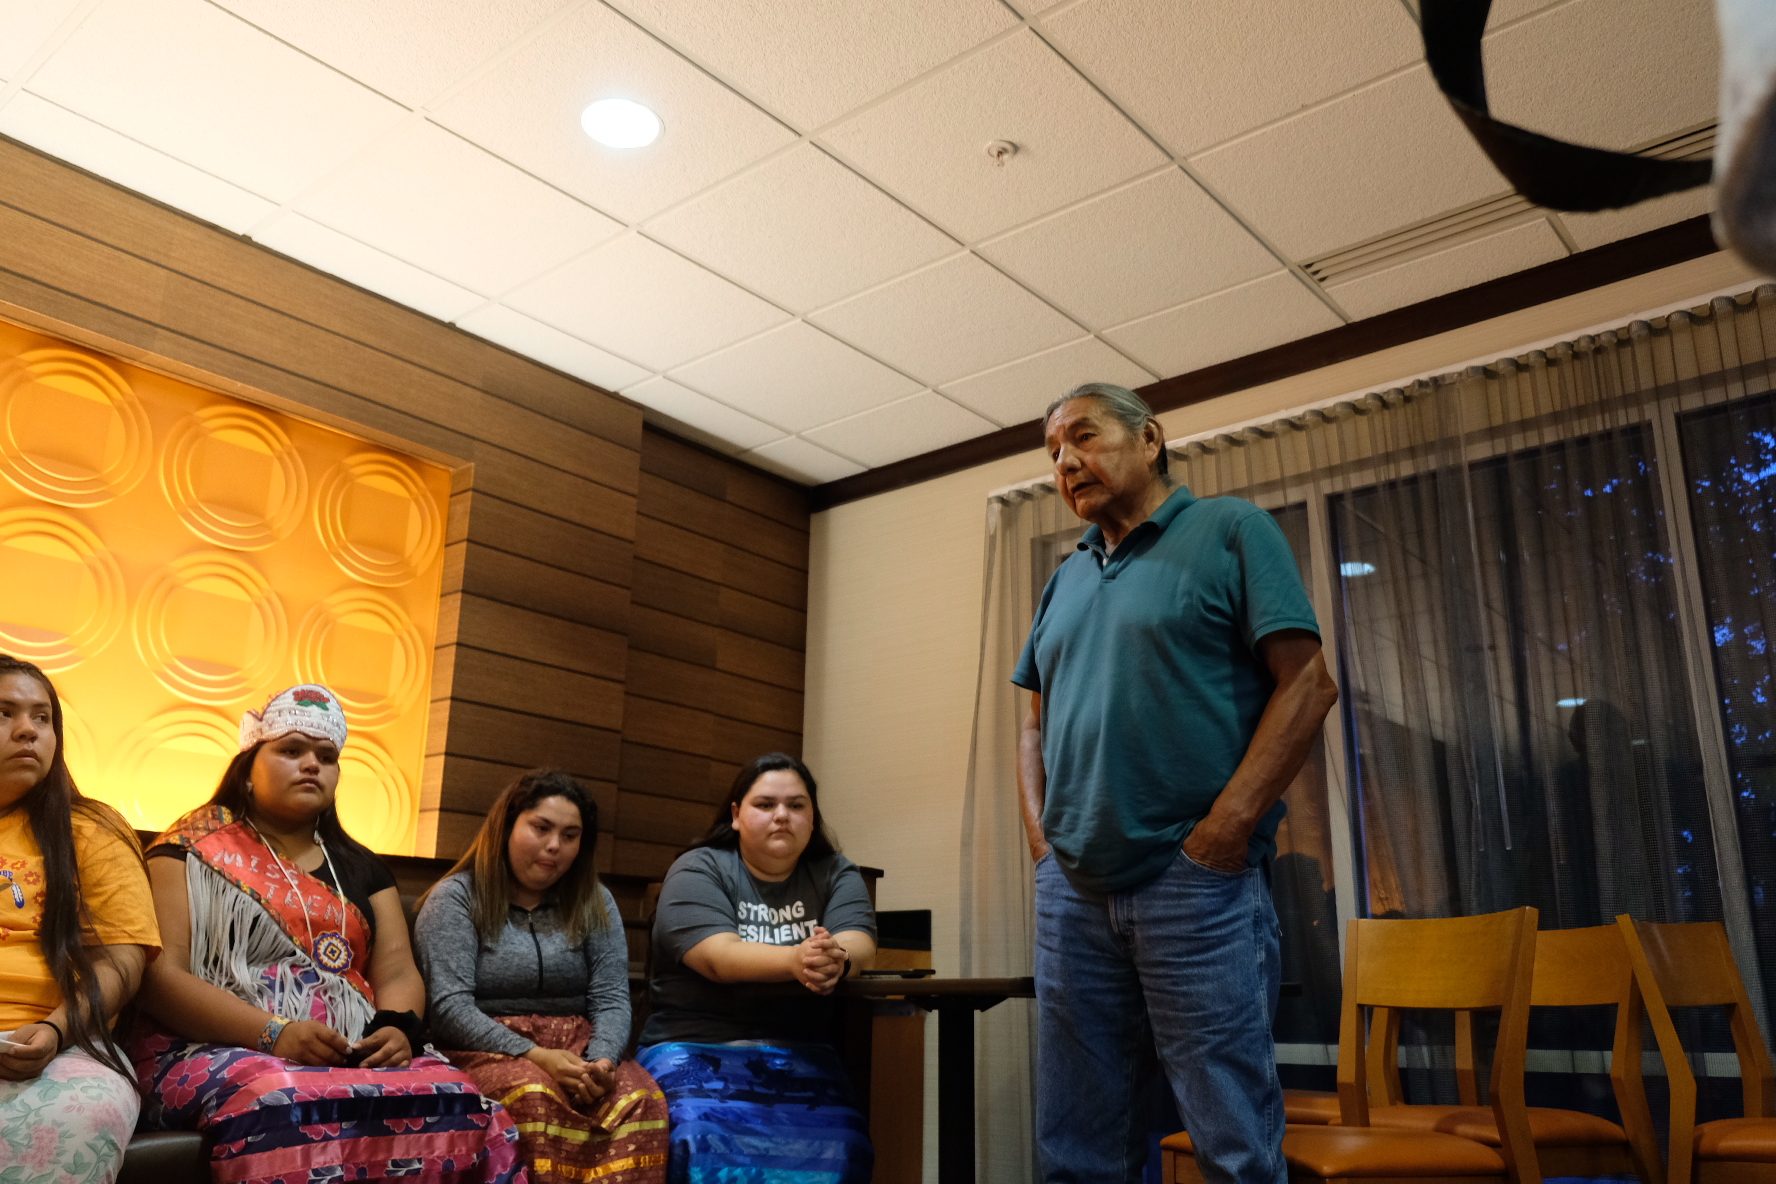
(759, 1114)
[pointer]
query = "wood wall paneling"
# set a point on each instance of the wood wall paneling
(103, 212)
(717, 638)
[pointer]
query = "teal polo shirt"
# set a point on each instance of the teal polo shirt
(1151, 683)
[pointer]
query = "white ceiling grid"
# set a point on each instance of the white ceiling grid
(817, 266)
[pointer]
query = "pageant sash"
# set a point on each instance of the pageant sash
(233, 850)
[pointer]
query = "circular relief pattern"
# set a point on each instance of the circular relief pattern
(79, 748)
(375, 804)
(210, 628)
(363, 648)
(171, 763)
(64, 593)
(234, 478)
(71, 430)
(377, 520)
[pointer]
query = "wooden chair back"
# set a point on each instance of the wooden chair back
(1589, 968)
(1461, 964)
(1400, 962)
(1691, 965)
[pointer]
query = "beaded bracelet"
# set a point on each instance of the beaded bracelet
(268, 1036)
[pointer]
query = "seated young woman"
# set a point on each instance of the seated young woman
(287, 1000)
(76, 929)
(528, 969)
(753, 1085)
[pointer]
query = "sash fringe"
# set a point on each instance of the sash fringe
(232, 934)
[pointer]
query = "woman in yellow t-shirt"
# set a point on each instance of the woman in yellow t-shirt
(77, 928)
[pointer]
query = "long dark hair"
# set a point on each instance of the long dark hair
(721, 833)
(489, 857)
(50, 807)
(235, 792)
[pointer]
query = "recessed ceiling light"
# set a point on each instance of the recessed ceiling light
(621, 123)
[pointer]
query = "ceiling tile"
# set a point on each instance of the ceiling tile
(799, 460)
(906, 428)
(638, 299)
(24, 26)
(796, 377)
(1474, 262)
(552, 347)
(701, 417)
(82, 142)
(1195, 74)
(209, 89)
(1147, 246)
(811, 63)
(528, 108)
(1614, 73)
(410, 50)
(928, 143)
(953, 318)
(803, 230)
(1022, 390)
(1383, 157)
(1231, 324)
(1594, 230)
(367, 267)
(437, 201)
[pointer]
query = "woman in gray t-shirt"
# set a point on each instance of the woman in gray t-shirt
(757, 923)
(527, 970)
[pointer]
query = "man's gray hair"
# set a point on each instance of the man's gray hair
(1130, 410)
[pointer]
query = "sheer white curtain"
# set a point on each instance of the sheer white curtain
(1028, 532)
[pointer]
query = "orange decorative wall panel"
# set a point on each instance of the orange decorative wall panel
(171, 556)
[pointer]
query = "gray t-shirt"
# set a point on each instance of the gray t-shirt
(709, 891)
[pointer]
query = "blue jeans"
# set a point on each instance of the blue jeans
(1178, 974)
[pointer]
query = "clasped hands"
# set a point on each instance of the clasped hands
(820, 962)
(310, 1042)
(584, 1082)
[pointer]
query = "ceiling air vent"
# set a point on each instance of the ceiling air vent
(1472, 221)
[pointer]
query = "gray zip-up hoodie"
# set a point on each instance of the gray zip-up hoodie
(530, 970)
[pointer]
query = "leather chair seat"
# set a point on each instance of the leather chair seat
(1332, 1151)
(1548, 1127)
(1742, 1140)
(1313, 1107)
(165, 1157)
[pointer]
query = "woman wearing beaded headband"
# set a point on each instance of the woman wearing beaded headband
(287, 980)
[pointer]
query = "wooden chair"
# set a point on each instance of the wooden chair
(1310, 1107)
(1463, 964)
(1573, 968)
(1691, 965)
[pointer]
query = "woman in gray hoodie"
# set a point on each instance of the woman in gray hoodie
(527, 974)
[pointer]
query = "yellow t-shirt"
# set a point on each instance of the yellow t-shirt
(117, 899)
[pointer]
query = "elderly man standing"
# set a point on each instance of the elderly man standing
(1178, 686)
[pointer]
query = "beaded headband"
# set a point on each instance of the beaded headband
(309, 709)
